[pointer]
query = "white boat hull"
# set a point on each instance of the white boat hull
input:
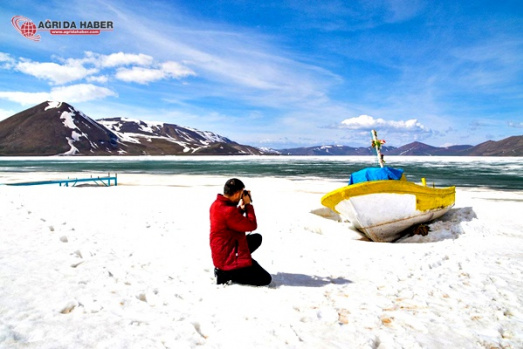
(384, 216)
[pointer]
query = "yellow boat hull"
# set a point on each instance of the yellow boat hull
(382, 210)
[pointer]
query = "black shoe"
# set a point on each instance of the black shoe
(221, 277)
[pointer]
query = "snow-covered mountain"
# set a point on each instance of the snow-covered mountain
(53, 128)
(182, 139)
(57, 128)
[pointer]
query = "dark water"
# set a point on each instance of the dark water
(496, 173)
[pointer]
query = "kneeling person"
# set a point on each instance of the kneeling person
(232, 215)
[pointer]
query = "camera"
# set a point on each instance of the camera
(247, 193)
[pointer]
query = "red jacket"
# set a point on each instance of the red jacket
(228, 240)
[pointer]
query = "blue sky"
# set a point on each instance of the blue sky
(280, 74)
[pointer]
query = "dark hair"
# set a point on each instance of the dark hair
(232, 186)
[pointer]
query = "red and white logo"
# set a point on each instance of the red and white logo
(26, 27)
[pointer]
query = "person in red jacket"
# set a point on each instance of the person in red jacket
(232, 215)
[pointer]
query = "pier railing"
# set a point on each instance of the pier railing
(100, 181)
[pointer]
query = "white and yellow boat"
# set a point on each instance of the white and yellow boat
(383, 209)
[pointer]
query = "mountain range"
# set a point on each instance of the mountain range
(512, 146)
(57, 128)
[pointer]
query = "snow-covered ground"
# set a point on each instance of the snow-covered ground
(130, 267)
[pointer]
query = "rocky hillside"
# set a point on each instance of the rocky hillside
(53, 128)
(56, 128)
(512, 146)
(422, 149)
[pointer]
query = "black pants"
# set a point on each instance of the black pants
(254, 275)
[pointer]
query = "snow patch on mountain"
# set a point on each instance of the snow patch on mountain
(74, 150)
(53, 105)
(116, 124)
(68, 121)
(210, 137)
(150, 126)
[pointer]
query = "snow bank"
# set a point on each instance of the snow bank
(130, 267)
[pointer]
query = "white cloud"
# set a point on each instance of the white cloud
(367, 123)
(80, 93)
(25, 98)
(100, 79)
(142, 75)
(5, 57)
(120, 59)
(176, 70)
(399, 11)
(139, 75)
(56, 73)
(515, 124)
(71, 94)
(6, 61)
(142, 70)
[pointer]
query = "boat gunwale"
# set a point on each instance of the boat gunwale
(332, 198)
